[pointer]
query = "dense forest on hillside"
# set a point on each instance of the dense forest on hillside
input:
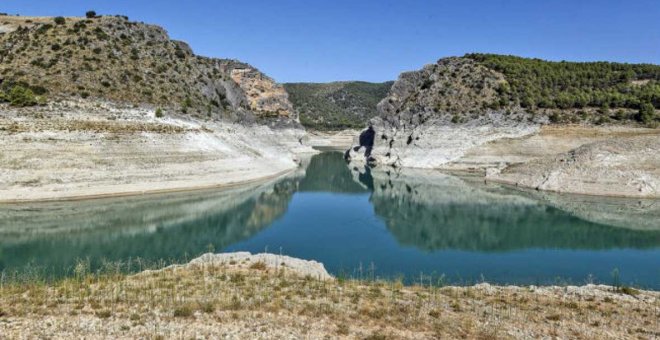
(535, 83)
(338, 105)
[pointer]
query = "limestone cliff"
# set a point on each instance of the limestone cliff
(433, 116)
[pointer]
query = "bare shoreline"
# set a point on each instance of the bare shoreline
(97, 152)
(228, 185)
(606, 161)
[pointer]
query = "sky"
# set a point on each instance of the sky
(370, 40)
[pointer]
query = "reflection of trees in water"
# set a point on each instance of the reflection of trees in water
(456, 215)
(442, 212)
(157, 227)
(328, 172)
(239, 216)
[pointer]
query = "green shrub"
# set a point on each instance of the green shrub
(80, 25)
(179, 53)
(184, 311)
(39, 90)
(21, 96)
(100, 34)
(60, 20)
(646, 113)
(44, 28)
(90, 14)
(135, 53)
(159, 113)
(620, 115)
(55, 47)
(554, 117)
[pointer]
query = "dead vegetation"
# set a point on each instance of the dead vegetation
(233, 301)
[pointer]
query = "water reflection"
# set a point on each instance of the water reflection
(433, 211)
(163, 227)
(405, 221)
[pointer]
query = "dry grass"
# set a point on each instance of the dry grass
(215, 300)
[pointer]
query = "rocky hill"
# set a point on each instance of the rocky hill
(338, 105)
(114, 59)
(103, 106)
(462, 89)
(486, 111)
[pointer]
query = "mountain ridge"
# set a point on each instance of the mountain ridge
(336, 105)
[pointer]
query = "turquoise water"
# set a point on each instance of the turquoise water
(359, 222)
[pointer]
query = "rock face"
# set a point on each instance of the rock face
(262, 93)
(431, 117)
(616, 167)
(458, 114)
(81, 149)
(455, 89)
(114, 59)
(431, 144)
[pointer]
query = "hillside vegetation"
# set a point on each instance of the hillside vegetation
(534, 83)
(338, 105)
(111, 58)
(462, 89)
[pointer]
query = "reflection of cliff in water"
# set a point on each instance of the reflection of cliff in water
(327, 172)
(426, 210)
(153, 228)
(642, 214)
(433, 211)
(170, 226)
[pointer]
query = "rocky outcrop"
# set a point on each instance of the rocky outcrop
(460, 114)
(246, 260)
(262, 93)
(433, 116)
(453, 89)
(432, 144)
(617, 167)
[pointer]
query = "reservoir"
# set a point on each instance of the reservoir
(359, 222)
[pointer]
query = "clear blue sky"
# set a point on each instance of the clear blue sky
(310, 40)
